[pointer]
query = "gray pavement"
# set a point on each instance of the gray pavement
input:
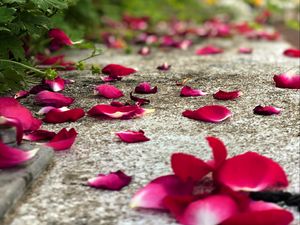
(59, 198)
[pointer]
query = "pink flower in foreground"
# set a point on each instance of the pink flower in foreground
(209, 113)
(115, 71)
(227, 95)
(59, 39)
(108, 91)
(291, 81)
(245, 50)
(11, 157)
(63, 140)
(57, 115)
(145, 88)
(187, 91)
(130, 136)
(114, 181)
(117, 112)
(292, 52)
(21, 94)
(53, 99)
(164, 67)
(208, 50)
(39, 135)
(11, 108)
(266, 110)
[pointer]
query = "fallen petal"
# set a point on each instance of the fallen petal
(164, 67)
(11, 157)
(144, 51)
(53, 99)
(292, 52)
(39, 135)
(108, 91)
(266, 110)
(21, 94)
(58, 116)
(152, 195)
(265, 174)
(291, 81)
(145, 88)
(63, 140)
(113, 181)
(219, 152)
(58, 39)
(209, 113)
(187, 91)
(130, 136)
(209, 50)
(245, 50)
(139, 101)
(115, 70)
(58, 84)
(224, 95)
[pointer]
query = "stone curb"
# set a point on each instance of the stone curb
(15, 182)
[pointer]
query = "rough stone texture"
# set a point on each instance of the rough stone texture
(60, 198)
(8, 135)
(15, 182)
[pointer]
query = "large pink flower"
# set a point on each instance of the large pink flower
(53, 99)
(209, 113)
(63, 140)
(108, 91)
(291, 81)
(11, 157)
(130, 136)
(113, 181)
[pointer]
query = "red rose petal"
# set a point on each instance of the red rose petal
(115, 70)
(245, 50)
(164, 67)
(53, 99)
(211, 210)
(58, 39)
(113, 181)
(21, 94)
(139, 101)
(11, 157)
(188, 167)
(292, 52)
(291, 81)
(219, 152)
(58, 116)
(266, 110)
(209, 50)
(145, 88)
(4, 121)
(224, 95)
(108, 91)
(39, 135)
(265, 174)
(11, 108)
(209, 113)
(120, 112)
(63, 140)
(130, 136)
(38, 88)
(187, 91)
(58, 84)
(152, 195)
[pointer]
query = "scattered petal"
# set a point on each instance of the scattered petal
(292, 52)
(114, 71)
(60, 116)
(39, 135)
(58, 84)
(187, 91)
(130, 136)
(209, 50)
(58, 39)
(11, 157)
(144, 51)
(139, 101)
(49, 98)
(227, 95)
(21, 94)
(266, 110)
(63, 140)
(38, 88)
(219, 152)
(145, 88)
(265, 174)
(108, 91)
(152, 195)
(245, 50)
(291, 81)
(164, 67)
(46, 109)
(113, 181)
(209, 113)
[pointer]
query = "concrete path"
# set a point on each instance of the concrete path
(59, 198)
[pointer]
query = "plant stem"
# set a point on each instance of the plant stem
(89, 57)
(25, 66)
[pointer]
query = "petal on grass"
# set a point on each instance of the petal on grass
(114, 181)
(49, 98)
(187, 91)
(63, 140)
(130, 136)
(108, 91)
(266, 110)
(209, 113)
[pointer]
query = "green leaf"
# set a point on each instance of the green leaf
(45, 4)
(293, 24)
(11, 44)
(6, 15)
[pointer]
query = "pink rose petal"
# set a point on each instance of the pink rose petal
(63, 140)
(211, 210)
(219, 152)
(58, 84)
(53, 99)
(209, 50)
(11, 157)
(58, 39)
(139, 101)
(39, 135)
(187, 91)
(108, 91)
(58, 116)
(115, 70)
(292, 52)
(224, 95)
(12, 122)
(114, 181)
(145, 88)
(209, 113)
(144, 51)
(164, 67)
(152, 195)
(243, 50)
(291, 81)
(130, 136)
(266, 110)
(265, 174)
(21, 94)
